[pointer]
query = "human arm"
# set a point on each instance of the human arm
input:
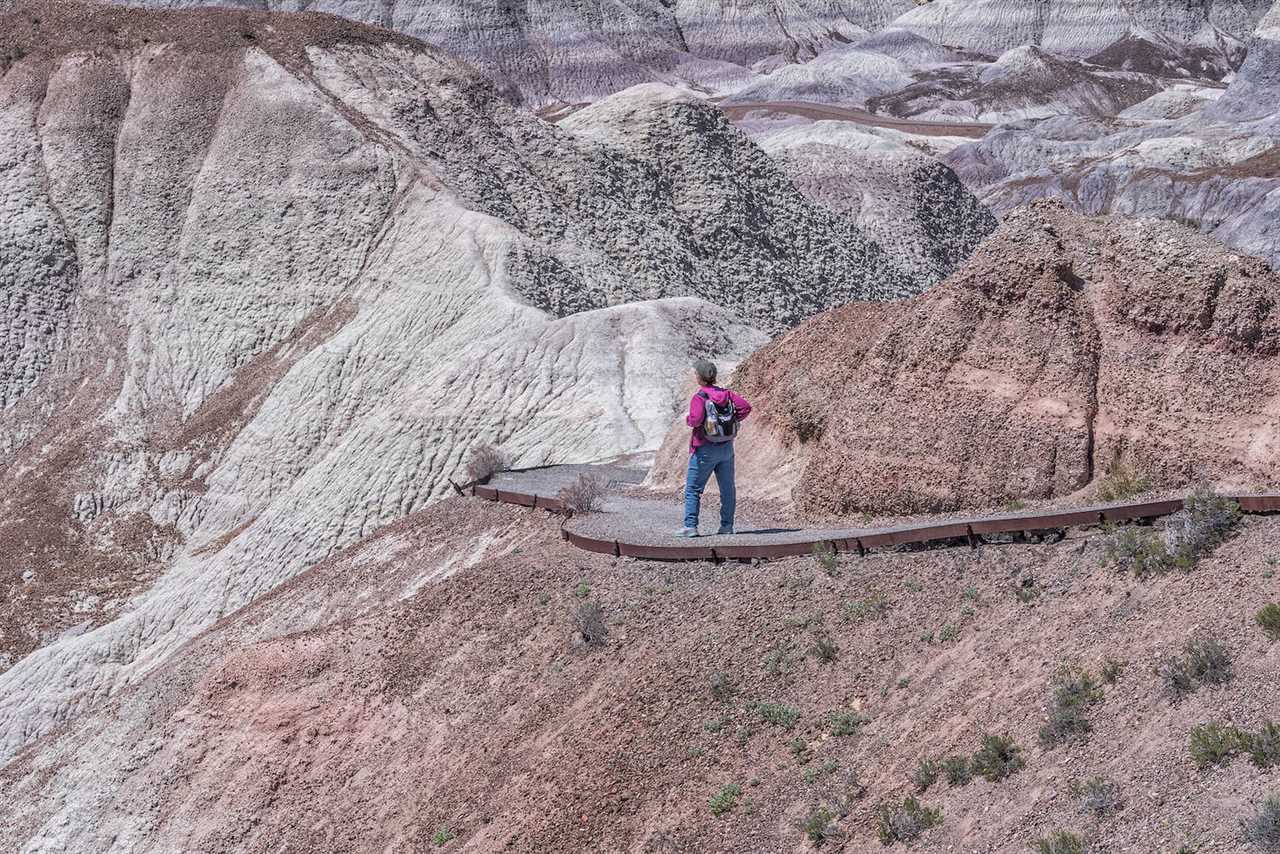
(697, 411)
(741, 407)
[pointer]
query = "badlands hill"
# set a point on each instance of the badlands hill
(1064, 347)
(566, 53)
(270, 277)
(1205, 156)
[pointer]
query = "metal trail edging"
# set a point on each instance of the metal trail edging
(970, 529)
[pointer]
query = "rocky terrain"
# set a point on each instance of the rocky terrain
(269, 277)
(1064, 347)
(1204, 156)
(429, 687)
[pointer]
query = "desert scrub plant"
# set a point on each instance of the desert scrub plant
(817, 826)
(1268, 618)
(824, 554)
(584, 495)
(957, 770)
(484, 461)
(1262, 829)
(905, 823)
(1264, 746)
(1121, 482)
(1204, 662)
(799, 749)
(925, 775)
(873, 606)
(1213, 743)
(722, 687)
(1060, 842)
(1096, 795)
(1074, 690)
(589, 619)
(778, 660)
(948, 633)
(843, 723)
(825, 649)
(1111, 670)
(443, 835)
(1205, 520)
(1137, 550)
(778, 714)
(725, 799)
(998, 757)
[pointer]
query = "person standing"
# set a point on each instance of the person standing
(714, 415)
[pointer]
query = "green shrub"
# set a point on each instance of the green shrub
(1269, 619)
(825, 649)
(1208, 661)
(824, 554)
(957, 770)
(873, 606)
(1264, 746)
(1205, 520)
(1121, 482)
(725, 799)
(842, 723)
(948, 633)
(1212, 743)
(1204, 662)
(778, 714)
(905, 823)
(1137, 550)
(799, 749)
(1263, 828)
(1074, 690)
(1096, 795)
(997, 758)
(817, 826)
(443, 835)
(1060, 842)
(925, 774)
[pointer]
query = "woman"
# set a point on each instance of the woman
(714, 414)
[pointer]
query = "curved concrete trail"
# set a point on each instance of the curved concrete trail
(641, 527)
(817, 111)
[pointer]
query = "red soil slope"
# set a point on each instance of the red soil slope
(364, 706)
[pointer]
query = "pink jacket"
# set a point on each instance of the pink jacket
(697, 411)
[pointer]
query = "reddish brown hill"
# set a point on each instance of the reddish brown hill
(1063, 346)
(430, 678)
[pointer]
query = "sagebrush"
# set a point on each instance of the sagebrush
(484, 461)
(585, 494)
(905, 823)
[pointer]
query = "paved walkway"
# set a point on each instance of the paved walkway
(639, 525)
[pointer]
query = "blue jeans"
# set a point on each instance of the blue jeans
(705, 460)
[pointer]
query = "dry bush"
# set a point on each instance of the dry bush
(925, 775)
(1060, 842)
(485, 461)
(1074, 690)
(1121, 482)
(1097, 795)
(584, 495)
(589, 618)
(1204, 662)
(907, 822)
(1205, 520)
(1263, 829)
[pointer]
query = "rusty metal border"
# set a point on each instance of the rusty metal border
(970, 529)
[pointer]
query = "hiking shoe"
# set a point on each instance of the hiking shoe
(687, 532)
(725, 529)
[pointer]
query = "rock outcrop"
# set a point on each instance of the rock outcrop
(1063, 347)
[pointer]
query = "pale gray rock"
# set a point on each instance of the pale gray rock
(268, 278)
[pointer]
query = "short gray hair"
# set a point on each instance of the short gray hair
(706, 371)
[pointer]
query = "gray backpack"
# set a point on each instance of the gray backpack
(719, 423)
